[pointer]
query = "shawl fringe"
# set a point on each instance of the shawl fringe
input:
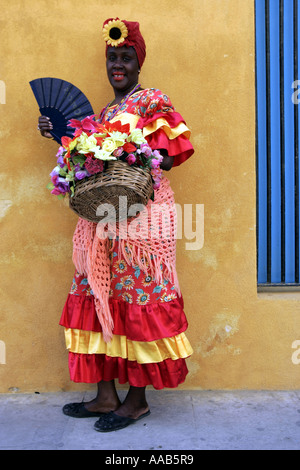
(92, 246)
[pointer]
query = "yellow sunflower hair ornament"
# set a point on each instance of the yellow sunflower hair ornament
(114, 32)
(119, 33)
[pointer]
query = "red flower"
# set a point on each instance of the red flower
(92, 165)
(67, 159)
(128, 147)
(117, 126)
(99, 141)
(65, 141)
(89, 125)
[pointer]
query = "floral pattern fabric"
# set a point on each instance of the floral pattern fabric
(128, 283)
(144, 103)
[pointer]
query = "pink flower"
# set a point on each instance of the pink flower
(54, 179)
(155, 163)
(156, 174)
(158, 156)
(60, 151)
(87, 124)
(54, 175)
(118, 152)
(146, 150)
(131, 159)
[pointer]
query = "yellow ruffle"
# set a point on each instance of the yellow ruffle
(171, 133)
(160, 123)
(90, 342)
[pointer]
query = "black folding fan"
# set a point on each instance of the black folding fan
(60, 101)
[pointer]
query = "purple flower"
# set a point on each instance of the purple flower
(60, 161)
(54, 174)
(81, 174)
(61, 186)
(55, 171)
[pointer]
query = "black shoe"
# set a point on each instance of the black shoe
(113, 422)
(78, 410)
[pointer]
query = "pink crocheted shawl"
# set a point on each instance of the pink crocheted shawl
(148, 240)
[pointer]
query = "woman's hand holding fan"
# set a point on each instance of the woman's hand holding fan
(45, 126)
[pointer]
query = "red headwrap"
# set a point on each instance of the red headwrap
(118, 33)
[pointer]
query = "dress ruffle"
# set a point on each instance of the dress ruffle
(168, 131)
(179, 148)
(149, 349)
(137, 322)
(93, 368)
(90, 342)
(146, 110)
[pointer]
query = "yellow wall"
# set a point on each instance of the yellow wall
(201, 53)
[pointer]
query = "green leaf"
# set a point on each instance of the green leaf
(79, 159)
(70, 176)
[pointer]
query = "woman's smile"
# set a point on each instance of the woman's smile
(118, 76)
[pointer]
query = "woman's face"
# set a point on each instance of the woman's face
(122, 68)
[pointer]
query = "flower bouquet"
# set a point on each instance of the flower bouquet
(102, 162)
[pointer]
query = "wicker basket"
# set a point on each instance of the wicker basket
(119, 179)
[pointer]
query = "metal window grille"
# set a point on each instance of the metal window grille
(277, 28)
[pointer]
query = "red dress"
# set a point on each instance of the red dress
(149, 346)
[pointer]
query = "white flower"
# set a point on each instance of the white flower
(102, 154)
(85, 143)
(109, 145)
(137, 137)
(118, 137)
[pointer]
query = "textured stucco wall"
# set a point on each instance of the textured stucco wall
(201, 53)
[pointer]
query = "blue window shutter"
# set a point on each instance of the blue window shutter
(277, 140)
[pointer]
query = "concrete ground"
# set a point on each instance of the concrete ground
(179, 420)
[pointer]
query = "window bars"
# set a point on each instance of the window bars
(277, 27)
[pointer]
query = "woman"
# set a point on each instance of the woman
(147, 344)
